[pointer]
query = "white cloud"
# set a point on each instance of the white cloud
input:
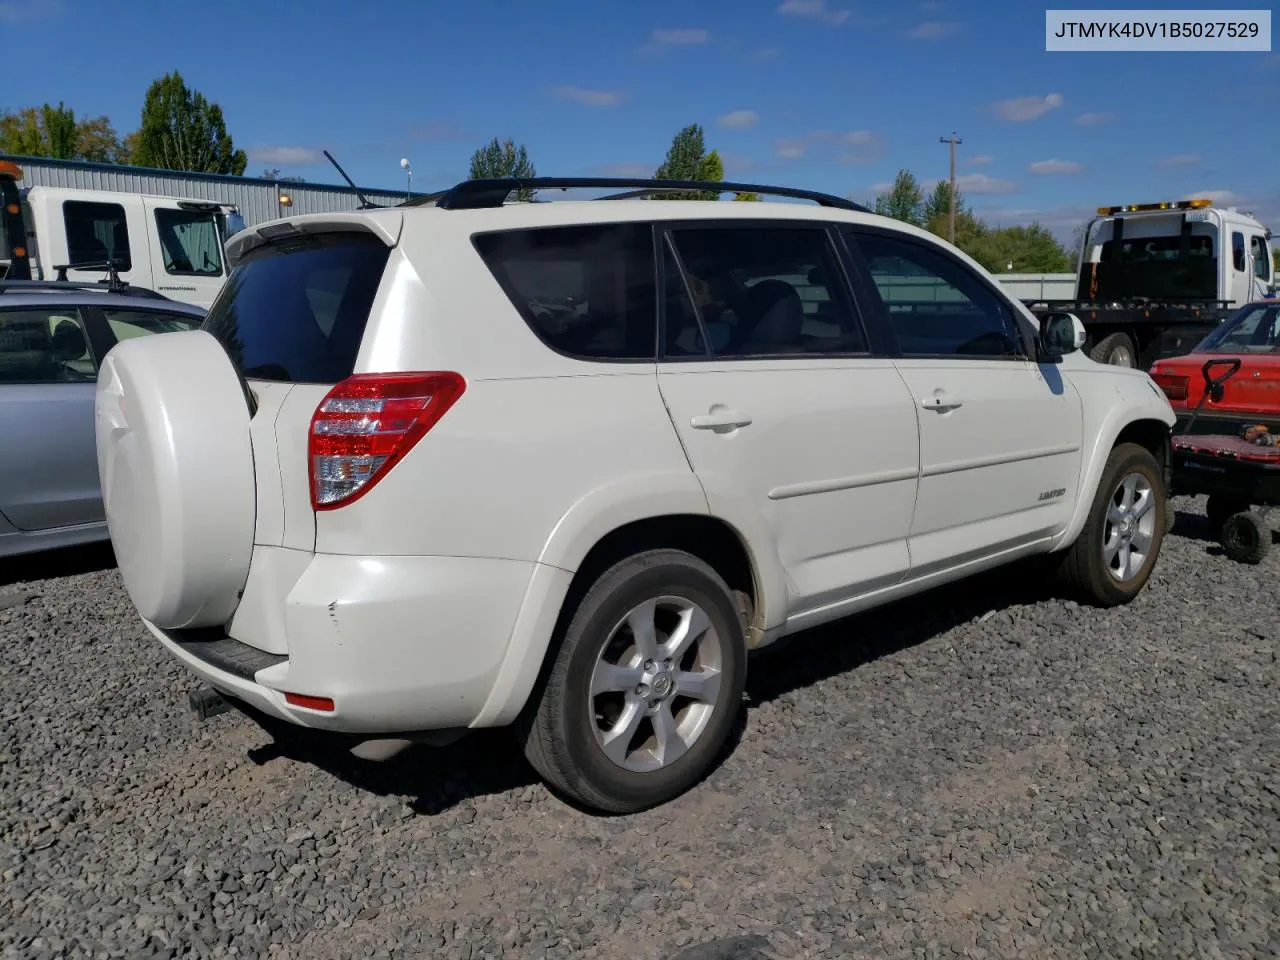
(815, 9)
(979, 161)
(588, 98)
(661, 40)
(1024, 109)
(739, 119)
(684, 37)
(285, 156)
(1094, 119)
(933, 30)
(1055, 166)
(1179, 160)
(789, 149)
(976, 183)
(1220, 198)
(16, 12)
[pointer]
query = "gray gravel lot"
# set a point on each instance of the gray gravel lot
(985, 772)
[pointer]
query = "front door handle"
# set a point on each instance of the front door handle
(720, 418)
(941, 402)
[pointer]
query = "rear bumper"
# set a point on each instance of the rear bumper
(400, 644)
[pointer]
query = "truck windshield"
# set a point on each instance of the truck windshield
(1153, 261)
(1254, 328)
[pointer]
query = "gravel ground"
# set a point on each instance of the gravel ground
(987, 772)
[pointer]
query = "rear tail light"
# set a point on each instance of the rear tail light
(366, 424)
(1174, 386)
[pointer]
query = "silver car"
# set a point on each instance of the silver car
(53, 335)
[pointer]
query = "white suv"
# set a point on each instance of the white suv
(560, 466)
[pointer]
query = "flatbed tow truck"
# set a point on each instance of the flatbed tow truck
(1153, 279)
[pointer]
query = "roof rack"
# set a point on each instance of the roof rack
(493, 192)
(96, 286)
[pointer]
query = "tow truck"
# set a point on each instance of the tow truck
(172, 245)
(1153, 279)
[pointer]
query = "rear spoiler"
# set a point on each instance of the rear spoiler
(385, 224)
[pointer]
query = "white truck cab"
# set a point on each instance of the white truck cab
(1189, 251)
(172, 245)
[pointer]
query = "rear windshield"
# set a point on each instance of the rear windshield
(295, 311)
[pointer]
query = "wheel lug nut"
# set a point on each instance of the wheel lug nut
(648, 664)
(642, 690)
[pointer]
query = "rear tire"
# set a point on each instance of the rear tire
(1117, 349)
(645, 687)
(1112, 559)
(1246, 538)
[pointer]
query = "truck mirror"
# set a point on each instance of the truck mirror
(1061, 333)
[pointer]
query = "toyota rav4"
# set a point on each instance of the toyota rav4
(560, 466)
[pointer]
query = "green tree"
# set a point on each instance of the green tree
(938, 205)
(49, 131)
(502, 159)
(181, 130)
(97, 141)
(904, 201)
(748, 196)
(688, 159)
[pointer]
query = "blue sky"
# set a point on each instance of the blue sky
(817, 93)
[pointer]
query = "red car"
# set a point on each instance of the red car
(1251, 396)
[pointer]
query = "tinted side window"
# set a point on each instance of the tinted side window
(295, 312)
(586, 291)
(766, 291)
(189, 243)
(935, 305)
(44, 346)
(96, 232)
(125, 324)
(1237, 251)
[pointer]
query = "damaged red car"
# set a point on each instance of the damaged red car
(1251, 397)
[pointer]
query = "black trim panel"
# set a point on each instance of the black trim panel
(225, 654)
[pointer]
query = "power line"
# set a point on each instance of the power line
(951, 199)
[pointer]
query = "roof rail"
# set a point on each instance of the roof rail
(99, 286)
(493, 192)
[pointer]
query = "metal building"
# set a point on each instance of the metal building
(256, 198)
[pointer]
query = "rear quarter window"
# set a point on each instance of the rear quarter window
(295, 312)
(588, 292)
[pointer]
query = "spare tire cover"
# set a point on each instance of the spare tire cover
(175, 461)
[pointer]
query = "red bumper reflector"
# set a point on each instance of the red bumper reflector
(324, 704)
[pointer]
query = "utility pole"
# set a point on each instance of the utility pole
(951, 199)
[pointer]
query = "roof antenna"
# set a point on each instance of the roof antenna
(364, 201)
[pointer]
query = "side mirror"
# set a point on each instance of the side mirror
(1061, 333)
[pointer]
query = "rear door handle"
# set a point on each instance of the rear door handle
(719, 419)
(941, 402)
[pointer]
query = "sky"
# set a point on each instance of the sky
(821, 94)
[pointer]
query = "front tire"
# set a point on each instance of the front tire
(645, 686)
(1116, 350)
(1113, 557)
